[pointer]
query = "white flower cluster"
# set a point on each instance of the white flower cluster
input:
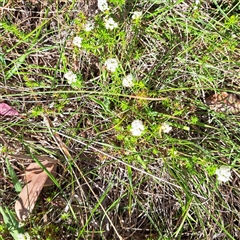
(89, 26)
(71, 77)
(166, 128)
(24, 236)
(102, 5)
(197, 3)
(110, 23)
(136, 15)
(111, 64)
(128, 81)
(223, 173)
(137, 128)
(77, 41)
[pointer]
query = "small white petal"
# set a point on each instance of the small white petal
(71, 77)
(89, 26)
(110, 24)
(128, 81)
(136, 15)
(137, 128)
(24, 236)
(166, 128)
(51, 105)
(111, 64)
(102, 5)
(77, 41)
(223, 173)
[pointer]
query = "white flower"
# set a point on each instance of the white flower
(111, 64)
(77, 41)
(52, 104)
(223, 173)
(89, 26)
(102, 5)
(128, 81)
(71, 77)
(137, 128)
(136, 15)
(110, 24)
(197, 3)
(24, 236)
(166, 128)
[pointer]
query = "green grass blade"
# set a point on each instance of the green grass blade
(16, 183)
(11, 223)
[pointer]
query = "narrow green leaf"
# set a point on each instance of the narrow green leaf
(11, 223)
(16, 183)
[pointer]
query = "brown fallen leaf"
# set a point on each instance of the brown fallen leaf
(37, 178)
(34, 170)
(224, 102)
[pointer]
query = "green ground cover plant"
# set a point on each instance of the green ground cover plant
(121, 95)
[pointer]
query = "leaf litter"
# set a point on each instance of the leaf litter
(224, 102)
(35, 178)
(7, 110)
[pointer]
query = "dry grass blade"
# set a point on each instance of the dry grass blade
(57, 138)
(29, 194)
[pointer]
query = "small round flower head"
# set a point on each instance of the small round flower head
(71, 77)
(24, 236)
(223, 173)
(111, 64)
(110, 23)
(166, 128)
(77, 41)
(102, 5)
(136, 15)
(197, 3)
(128, 81)
(137, 128)
(89, 26)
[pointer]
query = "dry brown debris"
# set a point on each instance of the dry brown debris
(224, 102)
